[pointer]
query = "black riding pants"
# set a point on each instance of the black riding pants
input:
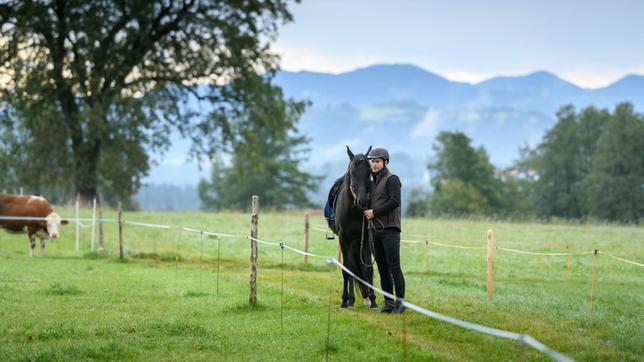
(387, 252)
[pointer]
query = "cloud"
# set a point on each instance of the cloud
(469, 116)
(339, 149)
(439, 119)
(470, 120)
(594, 78)
(429, 126)
(298, 59)
(472, 77)
(384, 114)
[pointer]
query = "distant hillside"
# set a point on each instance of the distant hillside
(403, 107)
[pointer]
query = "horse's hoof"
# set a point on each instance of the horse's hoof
(344, 305)
(350, 303)
(374, 306)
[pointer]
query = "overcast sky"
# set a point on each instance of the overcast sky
(590, 43)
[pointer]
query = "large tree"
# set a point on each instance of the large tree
(615, 182)
(268, 164)
(562, 161)
(88, 88)
(457, 159)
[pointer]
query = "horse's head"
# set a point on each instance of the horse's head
(360, 178)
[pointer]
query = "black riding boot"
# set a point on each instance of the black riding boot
(399, 308)
(389, 306)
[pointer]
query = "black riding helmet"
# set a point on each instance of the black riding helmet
(379, 152)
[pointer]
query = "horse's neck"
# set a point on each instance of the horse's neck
(347, 185)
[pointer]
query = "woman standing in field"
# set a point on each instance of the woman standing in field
(385, 216)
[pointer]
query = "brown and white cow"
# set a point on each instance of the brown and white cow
(26, 207)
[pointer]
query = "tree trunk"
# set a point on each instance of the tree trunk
(85, 170)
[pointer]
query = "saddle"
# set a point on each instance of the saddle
(329, 208)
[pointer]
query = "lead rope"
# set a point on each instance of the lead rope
(371, 228)
(368, 265)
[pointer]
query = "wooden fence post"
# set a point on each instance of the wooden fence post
(101, 235)
(425, 252)
(490, 263)
(253, 249)
(93, 224)
(120, 216)
(77, 205)
(592, 284)
(306, 236)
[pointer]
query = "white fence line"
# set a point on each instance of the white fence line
(272, 243)
(79, 220)
(80, 224)
(70, 219)
(157, 226)
(224, 235)
(522, 338)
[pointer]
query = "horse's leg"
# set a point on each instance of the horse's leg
(366, 273)
(351, 298)
(346, 287)
(352, 264)
(355, 265)
(346, 278)
(368, 295)
(369, 278)
(364, 290)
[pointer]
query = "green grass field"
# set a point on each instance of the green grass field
(87, 306)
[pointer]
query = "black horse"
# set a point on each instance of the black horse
(351, 227)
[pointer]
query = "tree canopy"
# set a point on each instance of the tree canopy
(462, 177)
(267, 164)
(89, 88)
(589, 164)
(614, 185)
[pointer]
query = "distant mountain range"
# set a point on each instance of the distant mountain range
(403, 107)
(384, 84)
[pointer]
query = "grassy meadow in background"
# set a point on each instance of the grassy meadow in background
(165, 301)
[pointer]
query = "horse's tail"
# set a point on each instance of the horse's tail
(357, 267)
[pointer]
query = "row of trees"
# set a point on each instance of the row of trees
(590, 164)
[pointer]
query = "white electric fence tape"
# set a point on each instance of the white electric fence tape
(158, 226)
(522, 338)
(472, 326)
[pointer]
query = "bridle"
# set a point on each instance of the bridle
(352, 187)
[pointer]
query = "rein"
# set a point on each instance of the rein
(371, 228)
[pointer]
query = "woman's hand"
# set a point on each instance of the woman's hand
(368, 214)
